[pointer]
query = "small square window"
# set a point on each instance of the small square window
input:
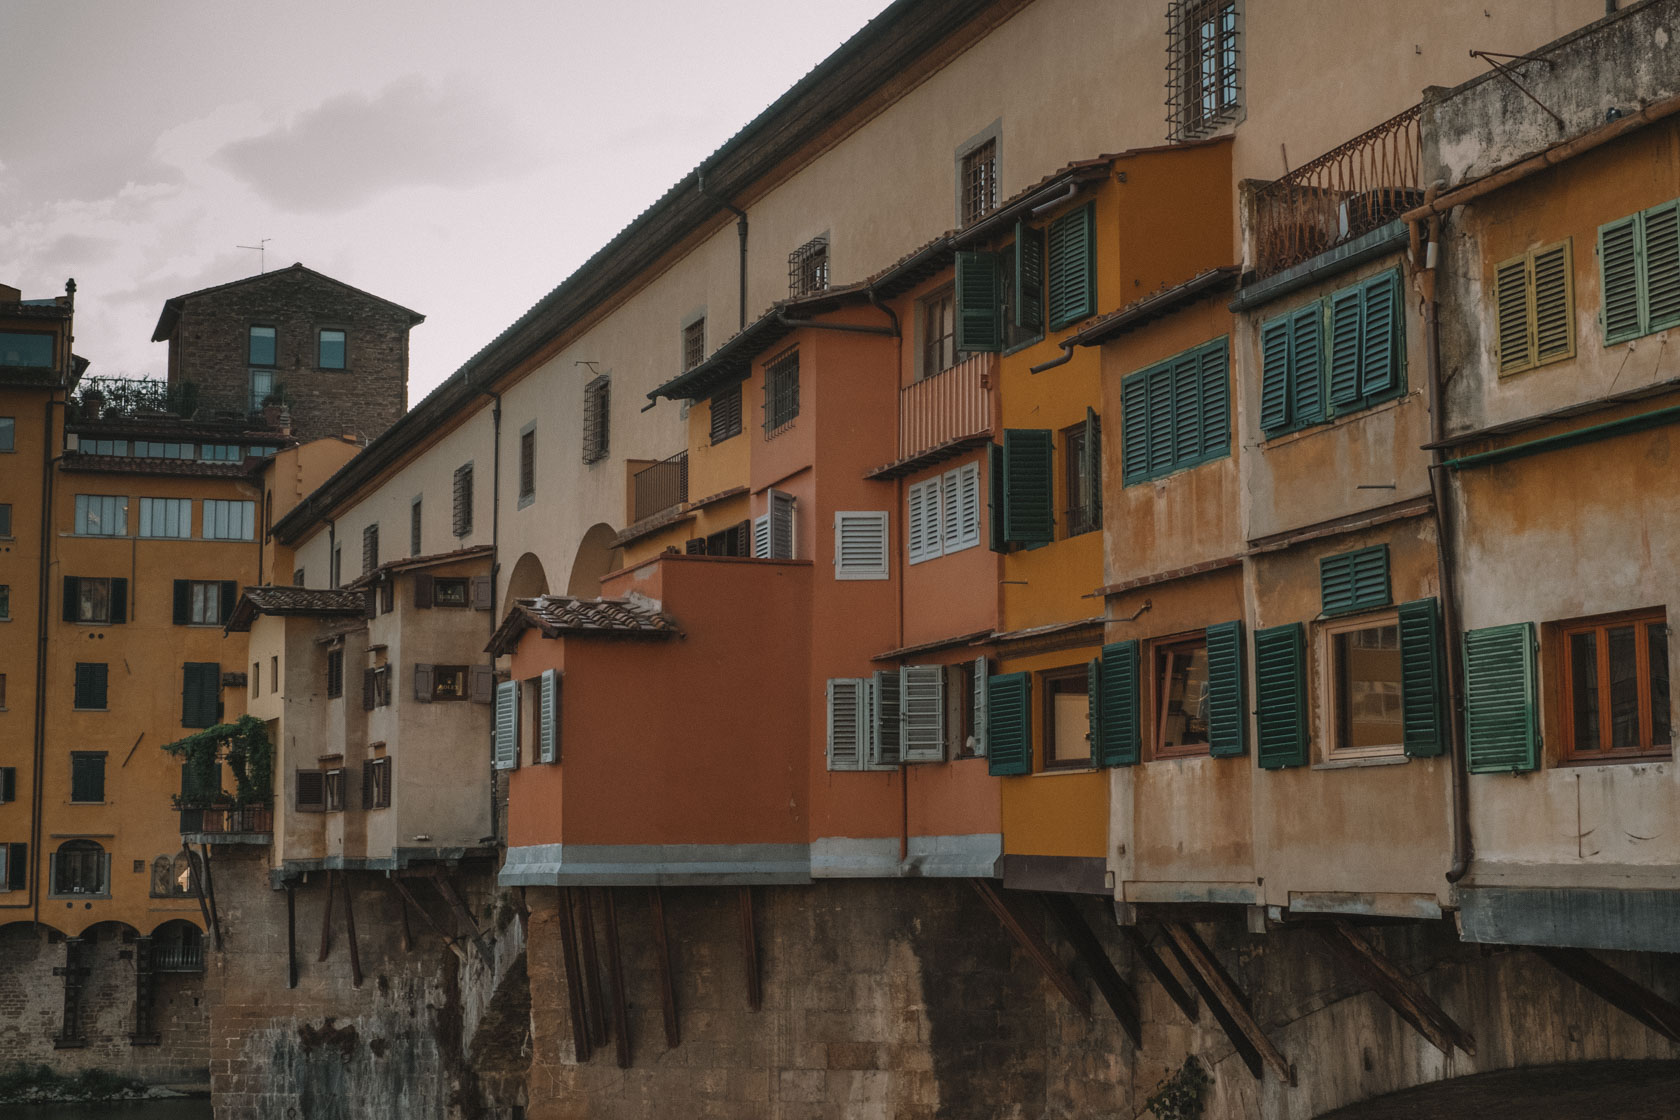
(204, 602)
(449, 682)
(979, 182)
(808, 267)
(330, 350)
(1067, 718)
(1615, 694)
(1363, 686)
(449, 592)
(1180, 696)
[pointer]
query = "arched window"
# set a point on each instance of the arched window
(80, 867)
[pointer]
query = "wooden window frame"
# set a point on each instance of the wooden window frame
(979, 185)
(1081, 516)
(1169, 646)
(937, 322)
(1330, 685)
(1564, 705)
(439, 673)
(1045, 685)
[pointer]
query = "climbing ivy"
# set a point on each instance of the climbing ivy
(249, 754)
(1179, 1096)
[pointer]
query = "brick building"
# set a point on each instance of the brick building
(337, 355)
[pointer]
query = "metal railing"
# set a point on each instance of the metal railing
(187, 957)
(948, 406)
(1350, 190)
(238, 819)
(661, 486)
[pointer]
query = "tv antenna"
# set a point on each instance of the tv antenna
(262, 253)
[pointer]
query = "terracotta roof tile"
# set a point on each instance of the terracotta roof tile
(557, 615)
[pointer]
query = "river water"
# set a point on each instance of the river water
(196, 1108)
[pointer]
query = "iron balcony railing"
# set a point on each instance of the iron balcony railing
(951, 405)
(1348, 191)
(230, 820)
(661, 486)
(178, 958)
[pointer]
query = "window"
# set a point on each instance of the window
(32, 349)
(1333, 356)
(335, 673)
(5, 519)
(204, 602)
(444, 682)
(310, 791)
(860, 545)
(1176, 414)
(1072, 267)
(256, 679)
(370, 548)
(781, 391)
(694, 343)
(222, 452)
(1082, 457)
(726, 413)
(597, 417)
(1639, 272)
(14, 867)
(99, 601)
(101, 446)
(462, 490)
(156, 449)
(80, 867)
(1067, 718)
(944, 513)
(1364, 685)
(1534, 307)
(5, 604)
(297, 578)
(87, 776)
(376, 784)
(939, 332)
(449, 592)
(201, 694)
(1180, 697)
(263, 388)
(260, 349)
(808, 267)
(414, 528)
(89, 695)
(979, 182)
(274, 673)
(1023, 488)
(1354, 581)
(338, 565)
(376, 687)
(330, 350)
(1615, 687)
(229, 520)
(167, 518)
(101, 515)
(333, 790)
(8, 433)
(1203, 80)
(733, 541)
(528, 464)
(3, 708)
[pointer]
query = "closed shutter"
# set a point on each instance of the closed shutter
(1346, 311)
(1306, 364)
(1501, 728)
(925, 521)
(1009, 724)
(950, 515)
(860, 545)
(597, 415)
(119, 601)
(996, 536)
(1280, 684)
(1029, 277)
(981, 673)
(507, 725)
(847, 721)
(883, 737)
(1186, 409)
(87, 777)
(462, 519)
(781, 525)
(979, 302)
(548, 717)
(72, 598)
(481, 593)
(370, 548)
(17, 867)
(1121, 735)
(1134, 427)
(922, 692)
(1379, 350)
(310, 791)
(367, 688)
(1160, 435)
(1227, 711)
(1354, 581)
(370, 602)
(481, 683)
(1213, 373)
(230, 597)
(8, 784)
(1554, 304)
(1513, 292)
(1072, 268)
(1422, 679)
(1621, 279)
(367, 784)
(726, 414)
(1028, 494)
(183, 603)
(423, 683)
(90, 685)
(1274, 373)
(761, 537)
(1662, 266)
(423, 590)
(201, 694)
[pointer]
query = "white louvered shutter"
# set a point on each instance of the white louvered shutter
(962, 520)
(781, 525)
(847, 721)
(918, 526)
(548, 716)
(922, 688)
(761, 537)
(982, 669)
(950, 511)
(886, 733)
(860, 545)
(507, 725)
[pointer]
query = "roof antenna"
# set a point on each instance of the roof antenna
(262, 254)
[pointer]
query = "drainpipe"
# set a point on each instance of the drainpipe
(741, 231)
(1067, 345)
(49, 463)
(332, 551)
(495, 562)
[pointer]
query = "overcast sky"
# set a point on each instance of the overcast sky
(457, 158)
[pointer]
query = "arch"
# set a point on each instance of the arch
(107, 929)
(596, 556)
(1567, 1091)
(79, 867)
(171, 876)
(178, 946)
(528, 579)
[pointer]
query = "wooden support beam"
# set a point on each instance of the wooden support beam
(1398, 990)
(594, 1004)
(446, 887)
(574, 975)
(749, 949)
(1115, 991)
(407, 934)
(291, 936)
(350, 931)
(1164, 976)
(662, 958)
(198, 886)
(615, 974)
(1033, 942)
(437, 927)
(1226, 1002)
(210, 893)
(326, 919)
(1616, 988)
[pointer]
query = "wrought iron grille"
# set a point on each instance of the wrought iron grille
(596, 418)
(979, 182)
(694, 344)
(781, 391)
(808, 267)
(661, 486)
(1350, 190)
(1204, 72)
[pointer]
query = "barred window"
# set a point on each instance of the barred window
(463, 487)
(694, 343)
(808, 267)
(979, 182)
(1204, 85)
(781, 391)
(597, 399)
(528, 464)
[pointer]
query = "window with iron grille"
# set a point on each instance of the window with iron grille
(694, 343)
(370, 548)
(335, 673)
(979, 182)
(463, 499)
(414, 528)
(597, 400)
(726, 413)
(808, 267)
(1204, 79)
(781, 391)
(528, 464)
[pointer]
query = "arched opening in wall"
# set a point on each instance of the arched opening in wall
(528, 579)
(1568, 1091)
(172, 876)
(596, 556)
(177, 946)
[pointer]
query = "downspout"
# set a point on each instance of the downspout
(495, 567)
(332, 552)
(898, 500)
(741, 231)
(42, 599)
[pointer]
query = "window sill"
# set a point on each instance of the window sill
(74, 897)
(778, 430)
(1352, 763)
(90, 709)
(1181, 756)
(1270, 442)
(1615, 760)
(1053, 771)
(87, 802)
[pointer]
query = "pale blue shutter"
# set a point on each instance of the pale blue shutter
(507, 725)
(847, 722)
(549, 716)
(982, 670)
(922, 694)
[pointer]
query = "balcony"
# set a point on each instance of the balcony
(1350, 190)
(942, 415)
(187, 956)
(660, 487)
(232, 824)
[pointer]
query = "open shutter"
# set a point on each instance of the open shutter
(1029, 277)
(1512, 295)
(183, 603)
(548, 717)
(1091, 466)
(982, 671)
(761, 537)
(1073, 267)
(370, 601)
(1346, 310)
(1280, 684)
(367, 785)
(482, 593)
(847, 720)
(1554, 304)
(998, 538)
(1274, 373)
(1094, 714)
(17, 867)
(507, 725)
(742, 538)
(423, 683)
(1029, 487)
(979, 302)
(119, 601)
(1134, 427)
(860, 545)
(1501, 728)
(781, 525)
(1379, 335)
(311, 791)
(1227, 711)
(1422, 678)
(481, 683)
(1621, 279)
(72, 597)
(1306, 364)
(1213, 373)
(230, 596)
(884, 704)
(422, 590)
(8, 784)
(1662, 266)
(922, 690)
(367, 688)
(1009, 724)
(1121, 739)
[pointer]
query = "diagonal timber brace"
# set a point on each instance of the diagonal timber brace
(1616, 988)
(1115, 991)
(1033, 942)
(1404, 994)
(1226, 1002)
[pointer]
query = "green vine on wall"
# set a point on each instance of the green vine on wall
(1180, 1096)
(245, 745)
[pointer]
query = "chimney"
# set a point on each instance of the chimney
(92, 402)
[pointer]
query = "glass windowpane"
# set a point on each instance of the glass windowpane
(1657, 641)
(262, 346)
(1367, 671)
(1624, 688)
(1583, 683)
(1182, 696)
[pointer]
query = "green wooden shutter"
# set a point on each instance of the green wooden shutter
(1213, 371)
(183, 603)
(201, 694)
(72, 598)
(1160, 418)
(1621, 279)
(1662, 266)
(90, 685)
(230, 597)
(1422, 678)
(1354, 581)
(1274, 374)
(1029, 277)
(1346, 311)
(1121, 740)
(1092, 466)
(1094, 708)
(1306, 364)
(1029, 515)
(1134, 427)
(1379, 335)
(1501, 726)
(1227, 712)
(1009, 724)
(1280, 685)
(1554, 304)
(1073, 267)
(1186, 409)
(996, 536)
(979, 302)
